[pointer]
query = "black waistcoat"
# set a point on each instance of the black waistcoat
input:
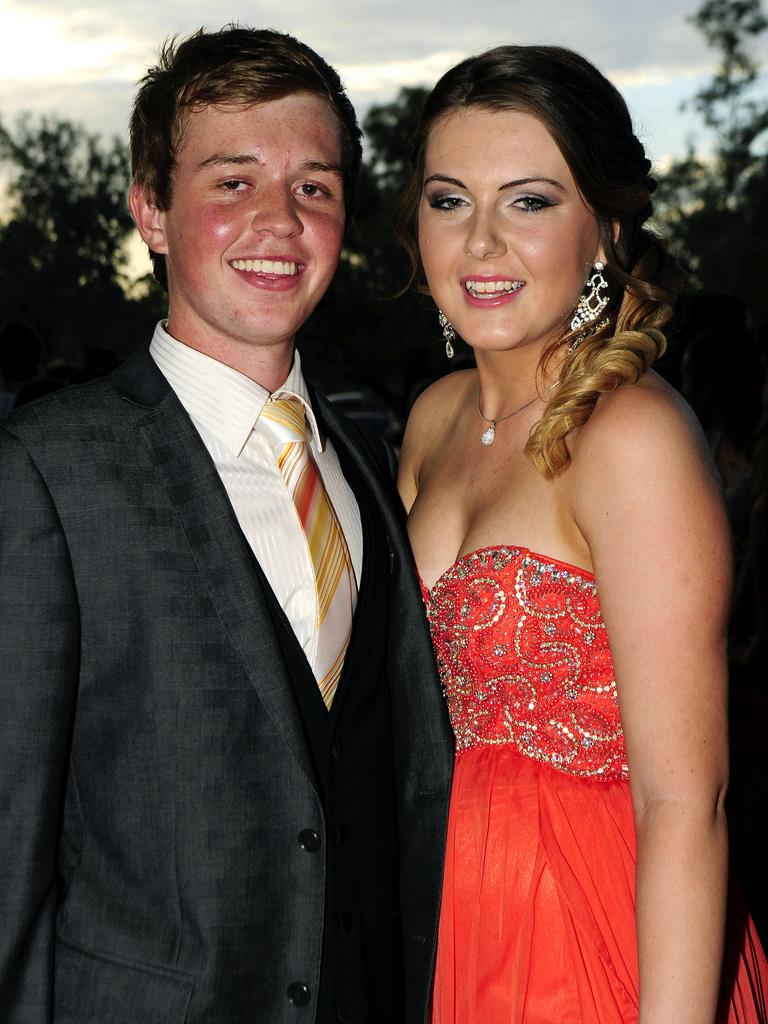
(351, 746)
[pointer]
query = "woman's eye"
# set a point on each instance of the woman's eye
(445, 202)
(532, 204)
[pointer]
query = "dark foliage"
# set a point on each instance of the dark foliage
(716, 208)
(62, 246)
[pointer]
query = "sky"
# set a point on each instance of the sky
(81, 60)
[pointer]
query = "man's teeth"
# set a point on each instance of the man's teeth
(265, 266)
(486, 287)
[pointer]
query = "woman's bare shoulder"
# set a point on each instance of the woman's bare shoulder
(431, 416)
(647, 424)
(440, 397)
(642, 469)
(435, 409)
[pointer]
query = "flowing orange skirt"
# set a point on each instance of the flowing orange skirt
(538, 914)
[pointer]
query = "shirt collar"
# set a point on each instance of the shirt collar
(220, 398)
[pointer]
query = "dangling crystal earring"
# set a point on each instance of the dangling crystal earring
(449, 332)
(592, 303)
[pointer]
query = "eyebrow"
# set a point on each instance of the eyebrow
(329, 166)
(244, 159)
(509, 184)
(222, 159)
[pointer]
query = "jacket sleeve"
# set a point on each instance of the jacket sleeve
(39, 651)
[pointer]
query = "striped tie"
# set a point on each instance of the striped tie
(284, 422)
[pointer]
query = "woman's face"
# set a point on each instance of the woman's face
(506, 239)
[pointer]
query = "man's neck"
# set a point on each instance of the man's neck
(268, 366)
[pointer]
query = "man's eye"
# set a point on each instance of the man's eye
(311, 189)
(233, 185)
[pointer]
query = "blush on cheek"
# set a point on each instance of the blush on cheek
(210, 224)
(218, 228)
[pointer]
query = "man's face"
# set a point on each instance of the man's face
(254, 230)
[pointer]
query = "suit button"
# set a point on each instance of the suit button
(337, 749)
(298, 993)
(346, 1013)
(309, 840)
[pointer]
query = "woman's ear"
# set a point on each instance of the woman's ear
(615, 231)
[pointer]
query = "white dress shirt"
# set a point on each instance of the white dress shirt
(225, 407)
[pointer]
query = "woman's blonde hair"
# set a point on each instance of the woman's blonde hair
(589, 121)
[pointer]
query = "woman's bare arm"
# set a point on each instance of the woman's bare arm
(647, 503)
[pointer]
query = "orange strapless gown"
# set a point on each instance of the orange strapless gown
(538, 914)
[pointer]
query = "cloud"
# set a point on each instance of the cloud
(82, 58)
(357, 31)
(101, 106)
(38, 47)
(387, 77)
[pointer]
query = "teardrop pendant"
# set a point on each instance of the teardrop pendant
(488, 436)
(448, 349)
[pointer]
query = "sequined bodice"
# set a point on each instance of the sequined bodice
(524, 660)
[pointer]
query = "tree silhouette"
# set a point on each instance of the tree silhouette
(716, 209)
(62, 247)
(736, 117)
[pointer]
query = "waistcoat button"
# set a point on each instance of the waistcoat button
(309, 840)
(298, 993)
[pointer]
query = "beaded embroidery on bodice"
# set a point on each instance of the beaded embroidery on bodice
(524, 659)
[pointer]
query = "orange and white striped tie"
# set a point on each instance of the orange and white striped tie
(284, 422)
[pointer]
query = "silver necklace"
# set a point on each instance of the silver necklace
(488, 436)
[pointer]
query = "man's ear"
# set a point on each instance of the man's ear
(149, 220)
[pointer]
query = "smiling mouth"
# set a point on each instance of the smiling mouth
(492, 288)
(282, 268)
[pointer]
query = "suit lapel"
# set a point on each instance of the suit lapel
(351, 449)
(224, 557)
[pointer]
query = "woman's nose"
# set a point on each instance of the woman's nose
(484, 239)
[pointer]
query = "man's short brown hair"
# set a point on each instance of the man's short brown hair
(236, 65)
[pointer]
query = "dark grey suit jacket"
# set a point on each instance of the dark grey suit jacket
(154, 774)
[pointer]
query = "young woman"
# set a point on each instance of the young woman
(574, 555)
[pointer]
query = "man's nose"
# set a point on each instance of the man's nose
(277, 212)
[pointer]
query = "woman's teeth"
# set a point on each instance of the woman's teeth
(492, 287)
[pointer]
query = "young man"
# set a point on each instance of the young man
(225, 758)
